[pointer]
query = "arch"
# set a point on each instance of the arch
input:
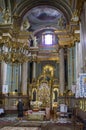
(23, 7)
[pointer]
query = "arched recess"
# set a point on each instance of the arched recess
(23, 7)
(34, 94)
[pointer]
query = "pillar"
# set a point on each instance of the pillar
(3, 75)
(70, 68)
(62, 72)
(24, 79)
(34, 70)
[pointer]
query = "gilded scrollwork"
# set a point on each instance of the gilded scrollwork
(44, 94)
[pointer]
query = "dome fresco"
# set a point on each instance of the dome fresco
(45, 13)
(44, 16)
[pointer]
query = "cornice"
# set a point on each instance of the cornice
(68, 36)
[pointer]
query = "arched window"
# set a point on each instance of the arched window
(49, 38)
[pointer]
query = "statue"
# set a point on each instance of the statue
(35, 41)
(60, 23)
(75, 17)
(6, 16)
(25, 24)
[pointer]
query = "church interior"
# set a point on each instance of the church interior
(43, 63)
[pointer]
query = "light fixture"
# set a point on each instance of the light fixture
(12, 50)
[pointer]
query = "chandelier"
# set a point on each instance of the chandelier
(13, 50)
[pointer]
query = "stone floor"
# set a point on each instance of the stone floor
(11, 122)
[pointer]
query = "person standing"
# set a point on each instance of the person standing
(20, 109)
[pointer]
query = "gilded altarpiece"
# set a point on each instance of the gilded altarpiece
(45, 91)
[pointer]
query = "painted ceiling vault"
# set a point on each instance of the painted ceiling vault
(42, 13)
(39, 16)
(44, 16)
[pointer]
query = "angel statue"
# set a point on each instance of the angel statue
(75, 17)
(60, 22)
(35, 41)
(6, 16)
(25, 24)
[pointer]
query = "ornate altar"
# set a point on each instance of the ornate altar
(45, 90)
(44, 94)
